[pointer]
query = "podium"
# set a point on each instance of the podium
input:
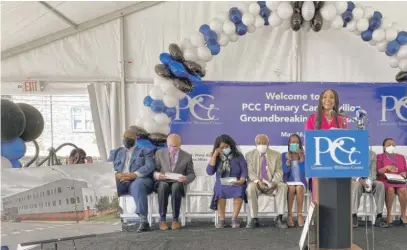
(332, 158)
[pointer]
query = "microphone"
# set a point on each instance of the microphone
(360, 113)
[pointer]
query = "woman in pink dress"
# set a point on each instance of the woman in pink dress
(390, 162)
(324, 119)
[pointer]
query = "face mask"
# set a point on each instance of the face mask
(226, 151)
(262, 148)
(173, 149)
(294, 147)
(128, 142)
(390, 149)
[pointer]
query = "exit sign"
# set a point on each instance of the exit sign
(31, 86)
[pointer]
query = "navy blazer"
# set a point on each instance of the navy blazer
(142, 161)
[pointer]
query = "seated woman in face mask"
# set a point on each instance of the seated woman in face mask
(294, 176)
(392, 163)
(227, 161)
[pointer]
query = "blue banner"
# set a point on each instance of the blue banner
(337, 153)
(244, 110)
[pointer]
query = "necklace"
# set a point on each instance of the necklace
(329, 119)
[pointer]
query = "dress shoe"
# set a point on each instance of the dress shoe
(175, 225)
(253, 223)
(355, 222)
(280, 224)
(163, 225)
(144, 227)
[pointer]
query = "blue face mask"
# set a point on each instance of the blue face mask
(226, 151)
(294, 147)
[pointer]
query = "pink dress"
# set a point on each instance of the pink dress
(325, 125)
(396, 160)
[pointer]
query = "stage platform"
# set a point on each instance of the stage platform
(203, 235)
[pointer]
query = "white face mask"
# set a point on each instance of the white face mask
(262, 148)
(390, 149)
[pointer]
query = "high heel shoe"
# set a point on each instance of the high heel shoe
(300, 220)
(290, 222)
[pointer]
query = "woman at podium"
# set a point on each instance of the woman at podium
(326, 118)
(391, 163)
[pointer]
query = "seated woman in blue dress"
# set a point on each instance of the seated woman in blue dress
(227, 161)
(294, 177)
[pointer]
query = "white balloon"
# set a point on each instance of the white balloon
(381, 46)
(170, 101)
(223, 16)
(341, 6)
(179, 94)
(357, 32)
(190, 55)
(286, 25)
(357, 14)
(150, 126)
(229, 28)
(5, 163)
(223, 39)
(248, 19)
(251, 29)
(204, 54)
(139, 121)
(351, 26)
(275, 20)
(386, 23)
(402, 52)
(369, 11)
(202, 63)
(326, 25)
(372, 42)
(259, 22)
(272, 5)
(156, 93)
(234, 38)
(378, 35)
(216, 25)
(197, 39)
(159, 81)
(362, 24)
(403, 65)
(328, 12)
(168, 89)
(337, 23)
(162, 119)
(186, 44)
(147, 113)
(397, 27)
(391, 34)
(254, 8)
(394, 61)
(285, 10)
(306, 26)
(164, 129)
(308, 10)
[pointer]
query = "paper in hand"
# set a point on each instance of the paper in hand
(173, 176)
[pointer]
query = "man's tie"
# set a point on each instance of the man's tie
(263, 170)
(172, 159)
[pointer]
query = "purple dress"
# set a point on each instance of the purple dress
(238, 168)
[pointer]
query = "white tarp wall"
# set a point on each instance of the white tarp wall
(269, 54)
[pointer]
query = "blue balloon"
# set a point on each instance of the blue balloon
(211, 37)
(402, 37)
(351, 6)
(204, 29)
(15, 164)
(241, 29)
(145, 143)
(171, 112)
(178, 69)
(147, 101)
(377, 15)
(14, 149)
(235, 15)
(261, 3)
(374, 23)
(367, 35)
(214, 48)
(157, 106)
(392, 48)
(347, 16)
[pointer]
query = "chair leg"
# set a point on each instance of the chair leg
(373, 209)
(150, 210)
(183, 212)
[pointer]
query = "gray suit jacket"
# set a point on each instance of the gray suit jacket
(184, 165)
(275, 168)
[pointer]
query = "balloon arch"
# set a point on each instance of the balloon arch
(184, 65)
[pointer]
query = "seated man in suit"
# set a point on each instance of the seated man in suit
(265, 176)
(359, 186)
(172, 160)
(134, 167)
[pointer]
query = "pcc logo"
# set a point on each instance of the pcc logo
(201, 108)
(393, 104)
(336, 150)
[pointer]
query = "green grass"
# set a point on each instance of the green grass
(106, 217)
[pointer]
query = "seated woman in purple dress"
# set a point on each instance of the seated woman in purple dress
(293, 163)
(390, 162)
(227, 161)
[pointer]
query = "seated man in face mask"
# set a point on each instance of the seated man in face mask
(265, 177)
(134, 167)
